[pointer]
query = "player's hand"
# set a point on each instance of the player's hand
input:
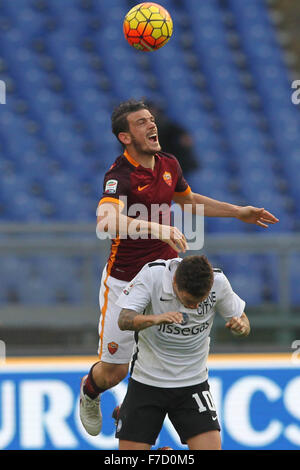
(238, 326)
(168, 317)
(257, 216)
(173, 237)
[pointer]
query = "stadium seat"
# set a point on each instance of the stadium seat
(13, 271)
(242, 271)
(294, 277)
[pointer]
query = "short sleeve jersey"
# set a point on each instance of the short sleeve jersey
(175, 355)
(128, 181)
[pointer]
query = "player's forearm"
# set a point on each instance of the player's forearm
(214, 208)
(134, 321)
(116, 224)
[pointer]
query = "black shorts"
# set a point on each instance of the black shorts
(190, 409)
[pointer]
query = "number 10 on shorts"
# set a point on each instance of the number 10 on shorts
(208, 400)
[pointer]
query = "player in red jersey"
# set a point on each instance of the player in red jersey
(145, 175)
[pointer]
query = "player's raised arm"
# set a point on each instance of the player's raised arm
(214, 208)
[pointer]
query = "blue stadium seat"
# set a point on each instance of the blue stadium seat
(224, 225)
(242, 270)
(59, 184)
(294, 280)
(13, 270)
(29, 208)
(61, 9)
(60, 268)
(249, 288)
(271, 265)
(59, 142)
(12, 186)
(36, 292)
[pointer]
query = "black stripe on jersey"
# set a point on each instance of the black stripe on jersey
(156, 264)
(217, 270)
(135, 356)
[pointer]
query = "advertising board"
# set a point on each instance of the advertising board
(257, 398)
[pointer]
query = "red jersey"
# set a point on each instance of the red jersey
(144, 186)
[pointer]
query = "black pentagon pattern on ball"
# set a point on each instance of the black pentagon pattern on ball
(152, 32)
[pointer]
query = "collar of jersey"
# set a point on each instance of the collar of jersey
(132, 160)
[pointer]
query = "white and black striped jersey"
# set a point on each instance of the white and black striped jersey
(175, 355)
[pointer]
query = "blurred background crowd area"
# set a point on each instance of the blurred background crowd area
(223, 90)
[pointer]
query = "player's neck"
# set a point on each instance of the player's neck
(143, 159)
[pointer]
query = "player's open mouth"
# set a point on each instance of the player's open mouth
(153, 138)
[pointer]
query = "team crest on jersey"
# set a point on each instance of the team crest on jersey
(185, 318)
(111, 186)
(167, 178)
(112, 347)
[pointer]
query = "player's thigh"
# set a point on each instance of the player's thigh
(142, 414)
(115, 346)
(210, 440)
(193, 411)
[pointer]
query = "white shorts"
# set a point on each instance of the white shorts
(115, 346)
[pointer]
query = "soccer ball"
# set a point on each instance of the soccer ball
(148, 26)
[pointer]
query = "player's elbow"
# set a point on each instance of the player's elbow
(106, 228)
(102, 227)
(107, 220)
(121, 322)
(126, 320)
(122, 326)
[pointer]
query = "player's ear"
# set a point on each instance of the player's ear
(125, 138)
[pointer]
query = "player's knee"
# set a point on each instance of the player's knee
(114, 374)
(206, 441)
(120, 373)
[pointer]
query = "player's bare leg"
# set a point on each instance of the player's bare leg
(102, 376)
(107, 375)
(210, 440)
(130, 445)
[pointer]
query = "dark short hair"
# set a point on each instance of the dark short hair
(119, 121)
(195, 276)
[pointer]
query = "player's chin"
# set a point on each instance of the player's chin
(151, 148)
(155, 146)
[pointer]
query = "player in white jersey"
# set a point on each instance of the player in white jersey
(171, 305)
